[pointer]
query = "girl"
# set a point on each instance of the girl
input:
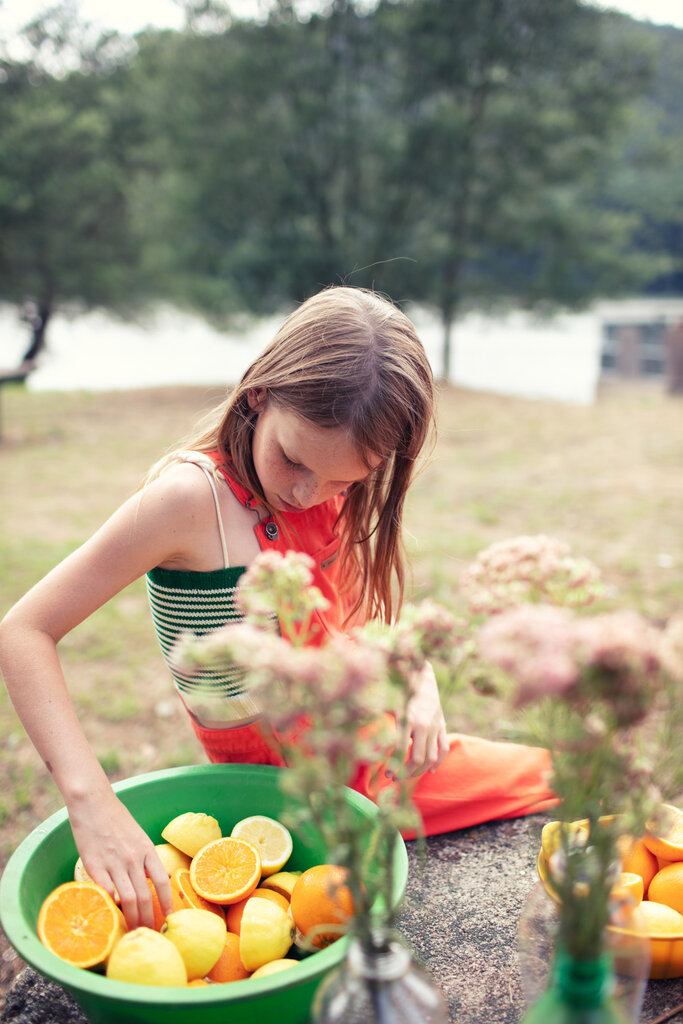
(313, 450)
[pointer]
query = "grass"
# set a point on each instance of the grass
(604, 478)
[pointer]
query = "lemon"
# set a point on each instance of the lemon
(273, 967)
(144, 957)
(282, 882)
(172, 858)
(199, 936)
(272, 840)
(659, 919)
(81, 875)
(265, 933)
(190, 831)
(551, 835)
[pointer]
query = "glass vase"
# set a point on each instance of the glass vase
(560, 988)
(379, 983)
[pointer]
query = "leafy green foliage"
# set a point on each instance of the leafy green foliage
(454, 154)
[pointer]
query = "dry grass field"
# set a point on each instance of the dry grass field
(607, 479)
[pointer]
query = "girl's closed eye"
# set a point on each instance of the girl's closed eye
(290, 462)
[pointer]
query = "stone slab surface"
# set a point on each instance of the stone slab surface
(460, 916)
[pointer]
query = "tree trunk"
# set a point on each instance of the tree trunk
(447, 321)
(37, 318)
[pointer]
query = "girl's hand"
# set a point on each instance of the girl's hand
(118, 854)
(425, 739)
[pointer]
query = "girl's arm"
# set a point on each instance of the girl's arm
(425, 739)
(155, 526)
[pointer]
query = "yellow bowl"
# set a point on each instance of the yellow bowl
(666, 950)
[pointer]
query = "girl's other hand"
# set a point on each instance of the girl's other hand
(119, 855)
(425, 739)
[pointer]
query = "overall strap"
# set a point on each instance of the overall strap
(207, 464)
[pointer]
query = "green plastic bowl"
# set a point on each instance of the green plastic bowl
(47, 856)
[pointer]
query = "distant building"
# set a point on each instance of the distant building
(643, 339)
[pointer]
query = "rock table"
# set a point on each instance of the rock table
(460, 916)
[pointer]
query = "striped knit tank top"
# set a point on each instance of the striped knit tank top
(197, 603)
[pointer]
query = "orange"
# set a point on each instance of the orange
(159, 916)
(226, 870)
(666, 840)
(80, 923)
(233, 916)
(198, 983)
(229, 967)
(667, 886)
(184, 895)
(662, 862)
(640, 861)
(322, 904)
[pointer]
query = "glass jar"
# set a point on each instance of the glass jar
(560, 987)
(379, 983)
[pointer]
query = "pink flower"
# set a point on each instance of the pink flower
(528, 569)
(535, 645)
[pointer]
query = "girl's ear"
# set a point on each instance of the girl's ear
(256, 397)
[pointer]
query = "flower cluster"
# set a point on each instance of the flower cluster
(594, 690)
(528, 570)
(612, 659)
(328, 708)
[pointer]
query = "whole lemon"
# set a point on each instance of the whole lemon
(144, 957)
(199, 936)
(266, 932)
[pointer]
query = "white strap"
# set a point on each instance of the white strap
(208, 466)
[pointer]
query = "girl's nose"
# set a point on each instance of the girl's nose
(308, 491)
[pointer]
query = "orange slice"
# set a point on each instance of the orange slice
(80, 923)
(226, 870)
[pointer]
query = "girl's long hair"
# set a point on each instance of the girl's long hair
(344, 358)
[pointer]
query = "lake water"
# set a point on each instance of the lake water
(556, 359)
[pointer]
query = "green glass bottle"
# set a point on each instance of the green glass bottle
(580, 992)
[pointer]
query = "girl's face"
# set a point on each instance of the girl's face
(298, 463)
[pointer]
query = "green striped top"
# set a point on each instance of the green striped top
(199, 602)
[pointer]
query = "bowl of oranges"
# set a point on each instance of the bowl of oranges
(652, 874)
(258, 912)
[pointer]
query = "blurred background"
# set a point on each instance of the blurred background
(176, 174)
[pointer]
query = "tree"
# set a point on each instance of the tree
(508, 106)
(65, 163)
(272, 156)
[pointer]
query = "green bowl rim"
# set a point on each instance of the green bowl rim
(22, 935)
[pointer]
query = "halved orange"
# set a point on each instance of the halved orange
(184, 895)
(226, 870)
(664, 837)
(80, 923)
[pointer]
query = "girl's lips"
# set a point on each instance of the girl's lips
(286, 507)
